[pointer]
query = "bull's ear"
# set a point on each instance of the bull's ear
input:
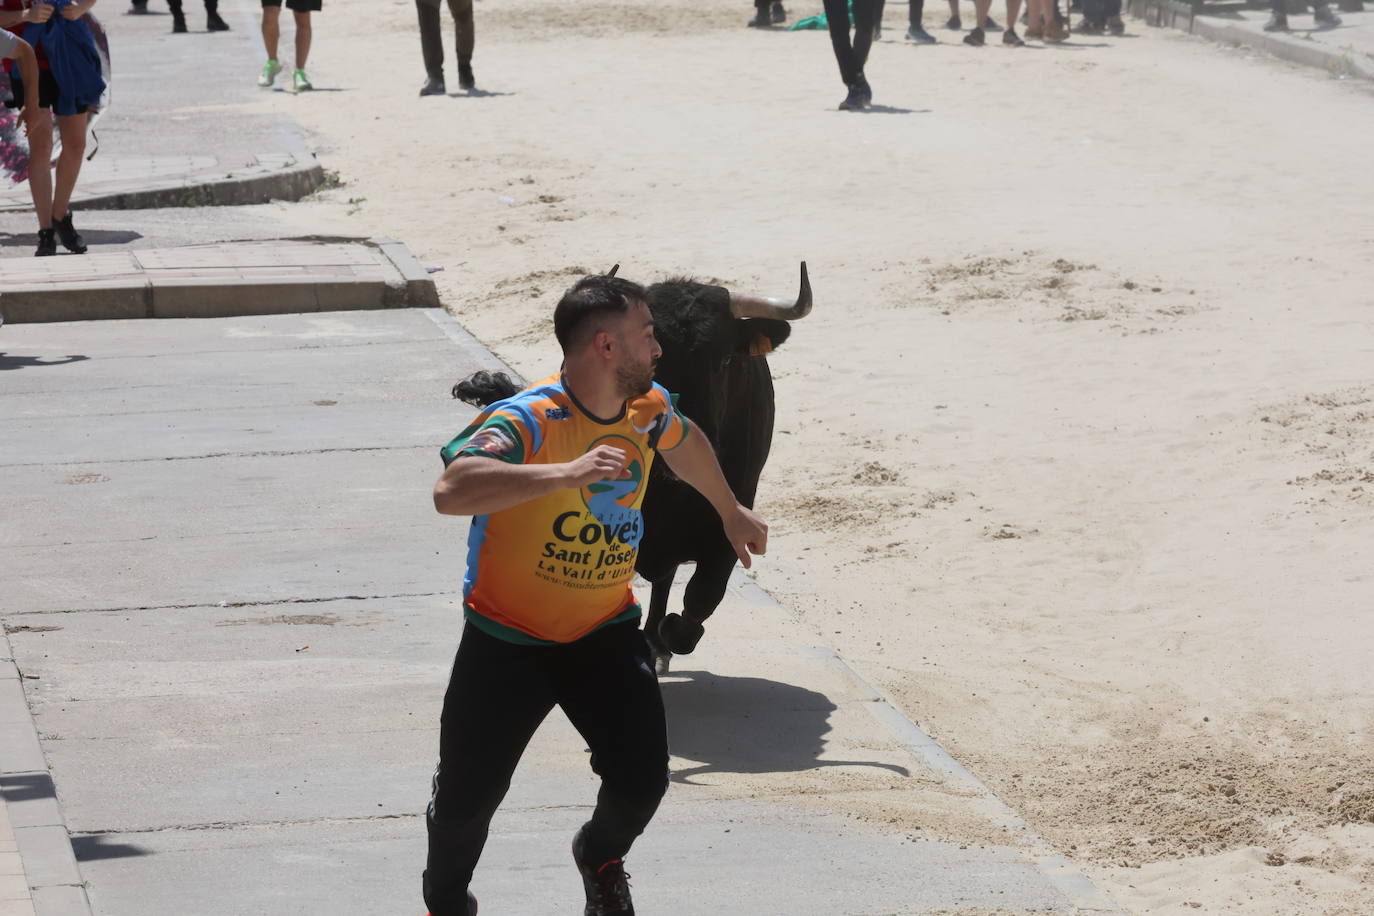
(759, 336)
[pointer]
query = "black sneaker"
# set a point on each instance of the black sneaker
(66, 232)
(865, 90)
(1012, 40)
(138, 9)
(215, 24)
(434, 85)
(47, 244)
(607, 885)
(1116, 26)
(975, 38)
(466, 81)
(762, 20)
(954, 24)
(920, 35)
(1277, 23)
(178, 24)
(990, 25)
(854, 101)
(1087, 27)
(1324, 17)
(777, 13)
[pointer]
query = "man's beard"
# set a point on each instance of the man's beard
(635, 379)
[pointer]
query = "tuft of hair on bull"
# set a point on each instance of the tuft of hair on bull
(483, 389)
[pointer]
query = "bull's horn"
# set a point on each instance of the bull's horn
(611, 272)
(783, 309)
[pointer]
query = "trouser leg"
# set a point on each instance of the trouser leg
(865, 19)
(607, 687)
(464, 29)
(837, 17)
(431, 38)
(914, 12)
(496, 698)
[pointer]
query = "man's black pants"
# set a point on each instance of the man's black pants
(851, 57)
(498, 694)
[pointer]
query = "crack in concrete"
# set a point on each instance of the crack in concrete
(302, 822)
(282, 453)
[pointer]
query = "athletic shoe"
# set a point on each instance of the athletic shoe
(854, 101)
(607, 885)
(866, 90)
(466, 81)
(920, 35)
(1324, 17)
(1055, 32)
(472, 905)
(179, 25)
(138, 9)
(1087, 27)
(762, 20)
(47, 244)
(1012, 40)
(434, 85)
(989, 25)
(269, 73)
(954, 24)
(300, 80)
(66, 232)
(975, 38)
(215, 24)
(1116, 26)
(778, 13)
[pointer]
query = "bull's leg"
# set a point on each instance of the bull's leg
(658, 603)
(706, 588)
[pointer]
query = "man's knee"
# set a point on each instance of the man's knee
(461, 10)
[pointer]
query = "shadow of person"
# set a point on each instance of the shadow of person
(92, 237)
(96, 846)
(748, 725)
(8, 361)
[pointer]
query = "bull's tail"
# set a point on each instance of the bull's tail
(482, 389)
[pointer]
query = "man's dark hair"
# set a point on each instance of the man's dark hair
(587, 303)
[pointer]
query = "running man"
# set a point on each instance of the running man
(271, 34)
(554, 478)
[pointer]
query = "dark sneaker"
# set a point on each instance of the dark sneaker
(607, 885)
(434, 85)
(975, 38)
(179, 25)
(1012, 40)
(866, 89)
(777, 13)
(138, 9)
(920, 35)
(1087, 27)
(1116, 26)
(954, 24)
(762, 20)
(472, 905)
(67, 234)
(47, 244)
(466, 81)
(215, 24)
(990, 25)
(1324, 17)
(852, 102)
(1277, 23)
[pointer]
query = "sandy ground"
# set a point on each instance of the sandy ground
(1076, 453)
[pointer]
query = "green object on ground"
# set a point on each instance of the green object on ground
(819, 21)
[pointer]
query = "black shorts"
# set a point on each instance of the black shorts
(47, 92)
(297, 6)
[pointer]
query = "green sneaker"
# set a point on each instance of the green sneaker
(301, 80)
(269, 73)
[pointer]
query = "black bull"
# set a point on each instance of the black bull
(714, 344)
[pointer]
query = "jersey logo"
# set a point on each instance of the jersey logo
(491, 441)
(558, 413)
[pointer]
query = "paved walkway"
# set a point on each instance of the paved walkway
(227, 278)
(179, 131)
(256, 656)
(1346, 52)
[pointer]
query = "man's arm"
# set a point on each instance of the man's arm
(695, 462)
(477, 485)
(28, 72)
(39, 12)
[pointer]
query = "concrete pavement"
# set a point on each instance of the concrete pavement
(237, 608)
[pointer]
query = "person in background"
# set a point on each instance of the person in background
(1321, 12)
(271, 33)
(767, 13)
(213, 22)
(432, 44)
(851, 57)
(69, 98)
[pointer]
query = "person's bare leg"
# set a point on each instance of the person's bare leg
(303, 36)
(980, 14)
(271, 29)
(1013, 10)
(40, 167)
(73, 131)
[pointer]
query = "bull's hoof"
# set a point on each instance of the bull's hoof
(680, 634)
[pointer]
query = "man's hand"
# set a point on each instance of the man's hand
(30, 116)
(746, 532)
(601, 463)
(39, 12)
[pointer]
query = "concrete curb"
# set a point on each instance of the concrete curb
(1284, 45)
(30, 800)
(338, 275)
(291, 175)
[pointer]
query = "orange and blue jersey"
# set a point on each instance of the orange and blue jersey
(553, 569)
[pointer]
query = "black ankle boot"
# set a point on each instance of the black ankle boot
(466, 81)
(47, 244)
(66, 232)
(215, 24)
